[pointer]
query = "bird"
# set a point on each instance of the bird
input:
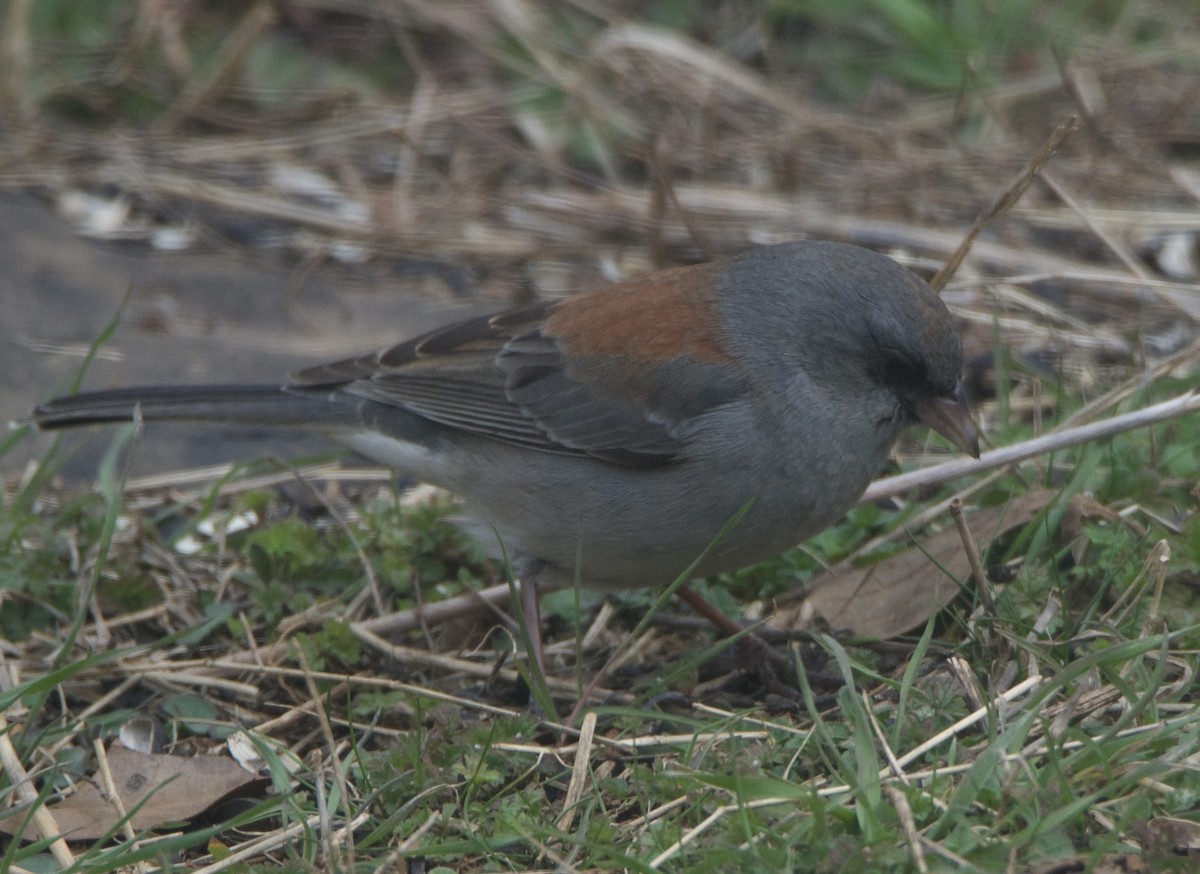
(609, 438)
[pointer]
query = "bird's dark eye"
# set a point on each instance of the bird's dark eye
(900, 371)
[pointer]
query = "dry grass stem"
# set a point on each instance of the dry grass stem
(20, 780)
(1005, 200)
(1018, 452)
(982, 584)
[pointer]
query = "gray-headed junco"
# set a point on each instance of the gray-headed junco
(610, 436)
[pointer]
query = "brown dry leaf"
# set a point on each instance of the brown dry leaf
(182, 787)
(900, 592)
(1110, 863)
(1058, 866)
(1119, 863)
(1168, 837)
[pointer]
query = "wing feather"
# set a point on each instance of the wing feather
(507, 378)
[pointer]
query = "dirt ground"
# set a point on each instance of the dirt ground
(192, 317)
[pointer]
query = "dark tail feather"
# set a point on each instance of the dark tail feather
(230, 404)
